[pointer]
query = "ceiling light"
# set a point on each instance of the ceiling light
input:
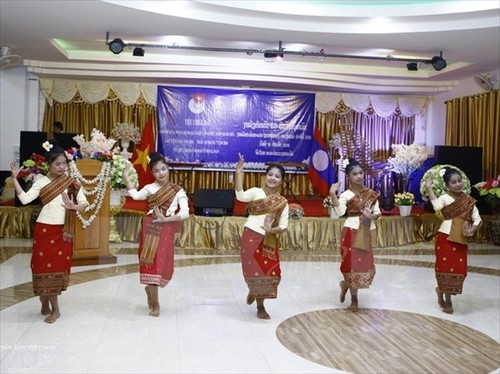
(438, 62)
(412, 66)
(138, 51)
(116, 46)
(271, 56)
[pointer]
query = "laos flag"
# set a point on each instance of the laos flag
(321, 171)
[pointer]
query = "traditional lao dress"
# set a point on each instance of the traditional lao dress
(260, 250)
(451, 245)
(157, 240)
(53, 233)
(357, 267)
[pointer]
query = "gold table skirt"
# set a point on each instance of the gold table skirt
(223, 233)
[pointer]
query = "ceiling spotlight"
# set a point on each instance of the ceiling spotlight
(116, 46)
(438, 62)
(412, 66)
(138, 52)
(271, 56)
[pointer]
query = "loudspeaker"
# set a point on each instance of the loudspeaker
(65, 140)
(468, 159)
(31, 142)
(213, 203)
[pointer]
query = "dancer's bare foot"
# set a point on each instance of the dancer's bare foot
(53, 316)
(262, 314)
(354, 304)
(448, 306)
(250, 298)
(45, 310)
(343, 290)
(440, 298)
(149, 297)
(155, 310)
(448, 309)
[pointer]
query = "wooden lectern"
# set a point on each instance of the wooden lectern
(91, 245)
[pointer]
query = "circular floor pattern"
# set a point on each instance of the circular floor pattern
(386, 341)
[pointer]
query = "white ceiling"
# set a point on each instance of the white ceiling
(68, 39)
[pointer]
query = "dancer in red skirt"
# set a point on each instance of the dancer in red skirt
(268, 216)
(53, 234)
(461, 220)
(361, 204)
(168, 205)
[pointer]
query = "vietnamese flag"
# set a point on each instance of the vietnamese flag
(142, 150)
(321, 171)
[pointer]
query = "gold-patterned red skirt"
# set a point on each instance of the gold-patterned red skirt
(262, 273)
(451, 264)
(160, 272)
(50, 260)
(358, 266)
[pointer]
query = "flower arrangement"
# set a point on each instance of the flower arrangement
(126, 131)
(407, 158)
(490, 190)
(118, 165)
(438, 185)
(405, 198)
(99, 147)
(295, 211)
(33, 168)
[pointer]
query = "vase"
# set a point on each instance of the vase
(332, 213)
(116, 201)
(405, 210)
(125, 143)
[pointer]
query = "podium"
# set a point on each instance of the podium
(91, 245)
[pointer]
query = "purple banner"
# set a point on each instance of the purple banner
(212, 125)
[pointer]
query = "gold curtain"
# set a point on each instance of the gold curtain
(80, 117)
(474, 121)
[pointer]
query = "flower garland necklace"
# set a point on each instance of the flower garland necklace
(100, 182)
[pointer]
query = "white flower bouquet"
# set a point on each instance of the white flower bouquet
(126, 131)
(438, 185)
(99, 147)
(407, 158)
(118, 165)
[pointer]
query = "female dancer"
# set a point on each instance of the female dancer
(458, 210)
(362, 208)
(168, 205)
(53, 234)
(268, 216)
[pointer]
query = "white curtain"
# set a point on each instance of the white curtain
(63, 91)
(383, 105)
(92, 92)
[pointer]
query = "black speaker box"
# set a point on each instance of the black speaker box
(31, 142)
(468, 159)
(65, 140)
(213, 203)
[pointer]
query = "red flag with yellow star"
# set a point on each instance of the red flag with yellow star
(142, 150)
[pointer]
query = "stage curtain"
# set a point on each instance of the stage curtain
(474, 122)
(17, 222)
(81, 117)
(426, 227)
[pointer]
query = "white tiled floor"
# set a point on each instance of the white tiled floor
(205, 325)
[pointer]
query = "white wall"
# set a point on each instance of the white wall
(21, 108)
(19, 102)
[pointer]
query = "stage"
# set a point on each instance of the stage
(222, 234)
